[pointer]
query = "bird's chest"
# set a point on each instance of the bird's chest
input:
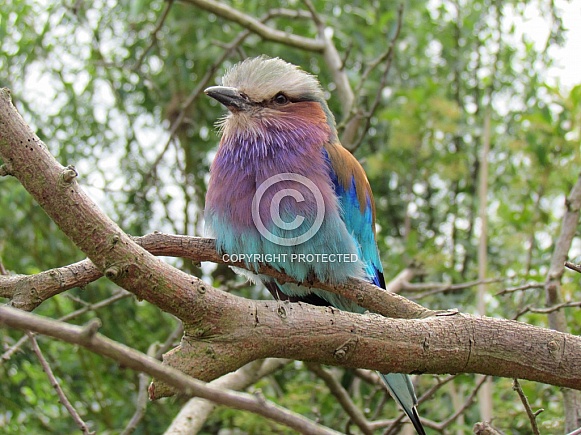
(281, 210)
(271, 191)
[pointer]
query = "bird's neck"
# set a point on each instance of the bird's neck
(268, 132)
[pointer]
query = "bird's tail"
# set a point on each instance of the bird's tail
(401, 388)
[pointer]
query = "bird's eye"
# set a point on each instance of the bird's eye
(280, 99)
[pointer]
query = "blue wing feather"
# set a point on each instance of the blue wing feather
(359, 219)
(360, 223)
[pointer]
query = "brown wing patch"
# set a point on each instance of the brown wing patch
(347, 167)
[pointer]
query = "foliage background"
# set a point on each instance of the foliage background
(102, 85)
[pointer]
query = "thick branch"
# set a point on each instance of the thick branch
(450, 344)
(28, 291)
(248, 330)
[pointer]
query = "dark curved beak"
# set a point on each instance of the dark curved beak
(229, 97)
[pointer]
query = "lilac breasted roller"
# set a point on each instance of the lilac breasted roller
(284, 191)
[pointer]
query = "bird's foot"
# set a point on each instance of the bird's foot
(440, 313)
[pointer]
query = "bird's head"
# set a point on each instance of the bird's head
(270, 95)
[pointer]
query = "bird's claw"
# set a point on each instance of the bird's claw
(440, 313)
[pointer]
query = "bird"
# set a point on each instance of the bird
(285, 192)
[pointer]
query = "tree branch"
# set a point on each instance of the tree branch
(573, 266)
(568, 229)
(441, 426)
(128, 357)
(342, 397)
(528, 286)
(255, 26)
(55, 384)
(530, 414)
(432, 288)
(140, 405)
(153, 37)
(547, 310)
(386, 57)
(120, 294)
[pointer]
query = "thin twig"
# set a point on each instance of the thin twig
(314, 14)
(530, 414)
(348, 50)
(170, 340)
(286, 13)
(432, 390)
(154, 39)
(55, 384)
(442, 425)
(548, 310)
(77, 299)
(142, 399)
(573, 266)
(388, 57)
(523, 287)
(429, 286)
(433, 288)
(342, 397)
(382, 57)
(379, 389)
(140, 405)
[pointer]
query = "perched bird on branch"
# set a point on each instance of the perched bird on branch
(283, 191)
